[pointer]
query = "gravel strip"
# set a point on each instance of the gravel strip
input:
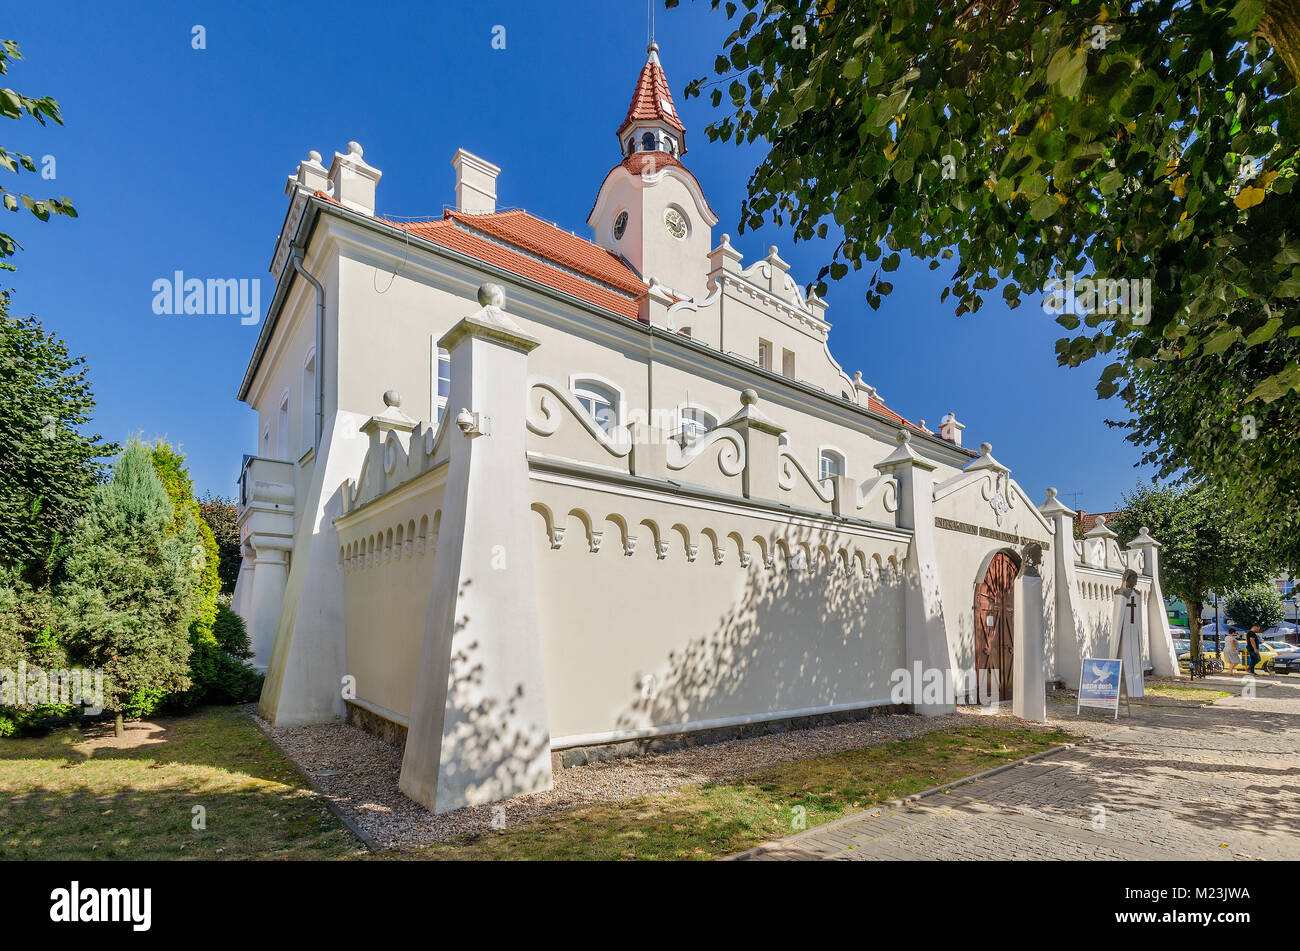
(358, 771)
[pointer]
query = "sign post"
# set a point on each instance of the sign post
(1100, 684)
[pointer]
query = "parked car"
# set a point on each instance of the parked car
(1288, 657)
(1268, 657)
(1180, 633)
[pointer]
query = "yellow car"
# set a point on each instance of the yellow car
(1266, 656)
(1216, 658)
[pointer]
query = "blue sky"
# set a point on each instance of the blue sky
(176, 160)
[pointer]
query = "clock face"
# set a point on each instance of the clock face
(675, 223)
(620, 225)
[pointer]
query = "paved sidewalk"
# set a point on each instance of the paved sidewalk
(1211, 782)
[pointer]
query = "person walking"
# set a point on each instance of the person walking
(1252, 648)
(1231, 651)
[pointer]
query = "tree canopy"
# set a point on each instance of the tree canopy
(50, 465)
(1024, 143)
(13, 105)
(1203, 548)
(1257, 605)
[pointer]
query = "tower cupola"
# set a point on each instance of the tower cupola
(652, 123)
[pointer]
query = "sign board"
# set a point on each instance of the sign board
(1099, 684)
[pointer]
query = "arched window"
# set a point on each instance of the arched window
(648, 142)
(631, 145)
(831, 465)
(599, 400)
(695, 422)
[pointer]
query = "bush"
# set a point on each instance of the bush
(219, 672)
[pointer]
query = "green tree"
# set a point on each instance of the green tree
(1021, 140)
(1259, 604)
(131, 592)
(1203, 548)
(169, 463)
(222, 517)
(50, 465)
(12, 106)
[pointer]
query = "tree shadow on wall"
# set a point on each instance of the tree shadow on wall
(487, 749)
(817, 629)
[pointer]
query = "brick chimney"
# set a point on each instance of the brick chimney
(476, 183)
(950, 429)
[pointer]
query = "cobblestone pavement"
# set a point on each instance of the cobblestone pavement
(1219, 781)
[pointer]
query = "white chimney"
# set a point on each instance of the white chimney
(950, 429)
(476, 183)
(311, 176)
(352, 181)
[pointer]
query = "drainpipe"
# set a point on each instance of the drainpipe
(320, 345)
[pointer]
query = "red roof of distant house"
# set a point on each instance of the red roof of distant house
(652, 98)
(1089, 520)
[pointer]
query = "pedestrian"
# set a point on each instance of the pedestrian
(1252, 648)
(1231, 651)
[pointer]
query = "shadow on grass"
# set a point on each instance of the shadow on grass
(73, 796)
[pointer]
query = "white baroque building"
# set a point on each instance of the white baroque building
(519, 494)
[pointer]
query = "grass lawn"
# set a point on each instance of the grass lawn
(73, 796)
(70, 795)
(1185, 692)
(717, 819)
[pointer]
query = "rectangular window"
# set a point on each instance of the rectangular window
(787, 363)
(309, 405)
(282, 431)
(440, 378)
(765, 354)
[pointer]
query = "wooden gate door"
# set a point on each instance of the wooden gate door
(995, 607)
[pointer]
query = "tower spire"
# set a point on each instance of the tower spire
(652, 123)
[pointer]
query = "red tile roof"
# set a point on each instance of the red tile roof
(515, 241)
(652, 98)
(522, 229)
(483, 237)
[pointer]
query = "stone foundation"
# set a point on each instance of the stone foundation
(368, 721)
(394, 733)
(581, 755)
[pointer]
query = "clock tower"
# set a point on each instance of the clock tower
(650, 209)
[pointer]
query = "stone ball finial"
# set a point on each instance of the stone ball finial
(1144, 531)
(748, 396)
(772, 251)
(354, 148)
(392, 398)
(726, 239)
(1051, 492)
(986, 448)
(904, 437)
(313, 156)
(492, 295)
(1101, 521)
